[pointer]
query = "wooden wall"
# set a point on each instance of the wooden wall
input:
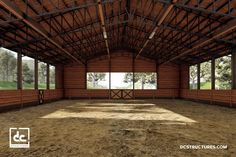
(219, 97)
(121, 61)
(20, 98)
(59, 77)
(24, 97)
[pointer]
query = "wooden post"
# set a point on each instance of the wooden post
(133, 71)
(109, 78)
(157, 79)
(213, 73)
(198, 76)
(48, 76)
(233, 62)
(19, 71)
(157, 74)
(85, 77)
(36, 74)
(56, 76)
(180, 81)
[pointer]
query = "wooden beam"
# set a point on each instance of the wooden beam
(48, 76)
(163, 17)
(133, 71)
(198, 76)
(85, 77)
(233, 69)
(36, 74)
(11, 7)
(157, 75)
(102, 19)
(213, 73)
(109, 61)
(213, 10)
(217, 34)
(126, 19)
(19, 71)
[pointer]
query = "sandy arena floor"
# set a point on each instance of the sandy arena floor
(103, 128)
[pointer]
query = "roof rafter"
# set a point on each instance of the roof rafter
(34, 25)
(222, 31)
(100, 10)
(198, 8)
(164, 15)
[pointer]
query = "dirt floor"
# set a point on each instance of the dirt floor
(104, 128)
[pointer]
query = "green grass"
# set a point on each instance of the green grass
(205, 85)
(42, 86)
(7, 85)
(28, 86)
(52, 86)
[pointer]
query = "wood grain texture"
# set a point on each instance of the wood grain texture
(168, 76)
(74, 76)
(12, 97)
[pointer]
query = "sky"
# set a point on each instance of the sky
(116, 80)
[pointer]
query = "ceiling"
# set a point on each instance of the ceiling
(62, 31)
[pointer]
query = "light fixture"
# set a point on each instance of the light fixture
(153, 33)
(105, 35)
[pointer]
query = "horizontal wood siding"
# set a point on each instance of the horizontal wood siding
(222, 97)
(101, 65)
(184, 72)
(226, 97)
(74, 76)
(159, 93)
(168, 76)
(144, 93)
(13, 97)
(167, 93)
(121, 64)
(84, 93)
(234, 97)
(59, 77)
(10, 97)
(29, 96)
(144, 65)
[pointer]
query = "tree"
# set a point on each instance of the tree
(8, 65)
(52, 75)
(143, 78)
(205, 75)
(28, 75)
(42, 73)
(193, 77)
(205, 71)
(95, 77)
(223, 72)
(129, 78)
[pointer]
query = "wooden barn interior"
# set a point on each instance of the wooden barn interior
(179, 62)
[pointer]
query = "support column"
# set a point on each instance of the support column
(85, 77)
(157, 74)
(198, 76)
(19, 71)
(56, 77)
(233, 62)
(213, 73)
(180, 81)
(36, 74)
(109, 77)
(48, 77)
(133, 71)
